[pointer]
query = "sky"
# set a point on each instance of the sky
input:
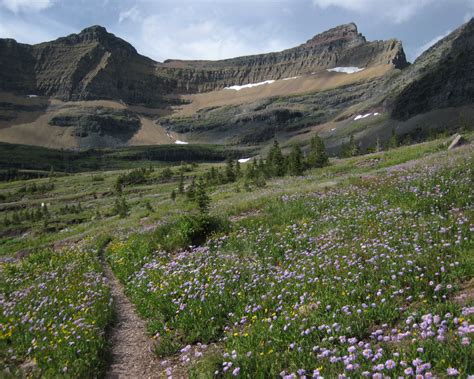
(216, 29)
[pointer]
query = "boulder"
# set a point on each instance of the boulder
(457, 141)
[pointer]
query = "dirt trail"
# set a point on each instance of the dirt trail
(130, 347)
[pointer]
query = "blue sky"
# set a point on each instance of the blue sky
(215, 29)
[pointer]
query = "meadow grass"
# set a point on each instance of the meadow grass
(55, 308)
(347, 270)
(356, 280)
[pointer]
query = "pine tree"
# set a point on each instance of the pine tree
(350, 149)
(378, 146)
(191, 192)
(275, 160)
(250, 171)
(214, 175)
(51, 173)
(201, 198)
(181, 183)
(238, 172)
(295, 160)
(317, 156)
(121, 206)
(173, 195)
(45, 211)
(393, 141)
(229, 171)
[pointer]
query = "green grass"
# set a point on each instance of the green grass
(284, 292)
(24, 157)
(333, 237)
(56, 307)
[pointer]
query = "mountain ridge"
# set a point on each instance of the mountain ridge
(95, 90)
(95, 58)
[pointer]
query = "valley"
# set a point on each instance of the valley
(303, 213)
(276, 228)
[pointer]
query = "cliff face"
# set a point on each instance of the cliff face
(441, 77)
(340, 46)
(17, 67)
(95, 64)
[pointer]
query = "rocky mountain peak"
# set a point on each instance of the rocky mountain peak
(98, 34)
(340, 34)
(95, 32)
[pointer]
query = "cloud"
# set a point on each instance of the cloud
(188, 33)
(133, 14)
(430, 43)
(397, 11)
(26, 5)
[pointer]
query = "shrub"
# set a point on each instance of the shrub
(189, 230)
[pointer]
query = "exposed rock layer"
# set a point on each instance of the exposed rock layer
(340, 46)
(95, 64)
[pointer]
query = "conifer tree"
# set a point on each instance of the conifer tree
(295, 160)
(238, 172)
(181, 183)
(201, 197)
(173, 195)
(191, 192)
(378, 146)
(393, 142)
(229, 171)
(275, 160)
(317, 153)
(250, 171)
(350, 149)
(121, 206)
(51, 173)
(214, 175)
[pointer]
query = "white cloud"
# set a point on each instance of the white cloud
(397, 11)
(430, 43)
(26, 5)
(185, 33)
(23, 31)
(133, 14)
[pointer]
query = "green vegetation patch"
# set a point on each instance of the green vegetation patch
(358, 280)
(55, 308)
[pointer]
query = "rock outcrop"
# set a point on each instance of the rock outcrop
(340, 46)
(93, 64)
(443, 76)
(96, 64)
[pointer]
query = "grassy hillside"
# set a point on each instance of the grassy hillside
(358, 268)
(38, 158)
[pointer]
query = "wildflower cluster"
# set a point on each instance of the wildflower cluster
(356, 281)
(54, 309)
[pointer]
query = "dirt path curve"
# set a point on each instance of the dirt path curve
(131, 348)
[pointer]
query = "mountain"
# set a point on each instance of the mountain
(93, 64)
(340, 46)
(443, 76)
(93, 89)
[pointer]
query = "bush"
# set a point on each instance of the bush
(189, 230)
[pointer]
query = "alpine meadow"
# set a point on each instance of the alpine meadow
(303, 213)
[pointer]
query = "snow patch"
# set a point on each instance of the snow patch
(250, 85)
(31, 96)
(360, 116)
(346, 70)
(178, 142)
(244, 160)
(293, 77)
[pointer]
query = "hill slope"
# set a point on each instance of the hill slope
(89, 85)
